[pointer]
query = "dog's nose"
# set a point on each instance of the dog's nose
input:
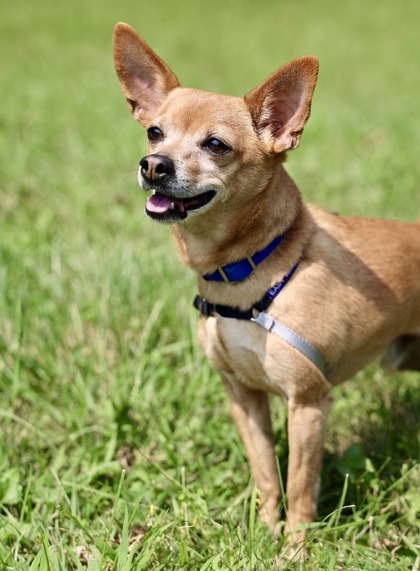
(156, 167)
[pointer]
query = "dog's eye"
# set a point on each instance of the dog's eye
(154, 134)
(216, 146)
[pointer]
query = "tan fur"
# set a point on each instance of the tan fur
(357, 287)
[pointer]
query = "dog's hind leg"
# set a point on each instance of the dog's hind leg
(251, 413)
(403, 354)
(306, 424)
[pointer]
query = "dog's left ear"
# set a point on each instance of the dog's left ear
(281, 105)
(145, 78)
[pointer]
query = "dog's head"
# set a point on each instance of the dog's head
(209, 152)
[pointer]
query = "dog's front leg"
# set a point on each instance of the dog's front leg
(306, 425)
(251, 413)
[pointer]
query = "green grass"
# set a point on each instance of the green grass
(117, 449)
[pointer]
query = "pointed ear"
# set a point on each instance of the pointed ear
(145, 79)
(281, 105)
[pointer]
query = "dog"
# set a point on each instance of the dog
(294, 299)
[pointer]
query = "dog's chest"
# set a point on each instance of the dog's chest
(236, 347)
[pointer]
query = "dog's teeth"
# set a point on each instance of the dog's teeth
(172, 205)
(154, 191)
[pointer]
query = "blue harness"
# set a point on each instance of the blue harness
(238, 271)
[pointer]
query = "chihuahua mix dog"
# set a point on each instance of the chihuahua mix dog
(294, 299)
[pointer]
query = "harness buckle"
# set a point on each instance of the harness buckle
(265, 321)
(202, 305)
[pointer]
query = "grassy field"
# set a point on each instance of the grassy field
(117, 449)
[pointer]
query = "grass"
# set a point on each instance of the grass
(118, 451)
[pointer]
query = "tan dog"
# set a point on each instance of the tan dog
(353, 284)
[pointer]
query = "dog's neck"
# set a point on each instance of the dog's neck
(215, 239)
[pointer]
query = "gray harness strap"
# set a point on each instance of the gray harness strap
(292, 338)
(271, 325)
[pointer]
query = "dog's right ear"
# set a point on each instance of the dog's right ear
(281, 105)
(145, 79)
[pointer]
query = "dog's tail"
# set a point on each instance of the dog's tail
(403, 354)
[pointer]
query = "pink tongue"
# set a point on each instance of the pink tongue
(158, 203)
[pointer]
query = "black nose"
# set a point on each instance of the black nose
(156, 167)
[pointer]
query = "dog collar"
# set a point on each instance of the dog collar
(210, 309)
(240, 270)
(261, 318)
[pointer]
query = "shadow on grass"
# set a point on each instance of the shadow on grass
(382, 441)
(372, 437)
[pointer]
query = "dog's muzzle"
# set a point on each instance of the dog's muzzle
(168, 203)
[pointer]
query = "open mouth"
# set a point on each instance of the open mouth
(166, 208)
